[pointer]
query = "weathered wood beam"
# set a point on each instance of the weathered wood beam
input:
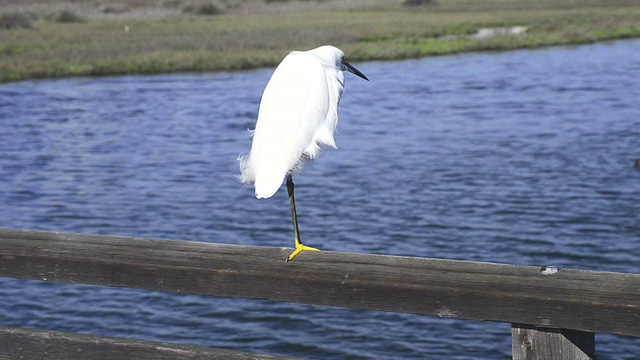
(17, 343)
(569, 299)
(537, 343)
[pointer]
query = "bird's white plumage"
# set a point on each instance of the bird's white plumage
(298, 113)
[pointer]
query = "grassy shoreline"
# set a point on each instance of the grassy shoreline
(247, 36)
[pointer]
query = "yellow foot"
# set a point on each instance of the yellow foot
(300, 248)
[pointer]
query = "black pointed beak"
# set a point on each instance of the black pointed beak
(350, 68)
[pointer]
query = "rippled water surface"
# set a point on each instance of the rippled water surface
(523, 157)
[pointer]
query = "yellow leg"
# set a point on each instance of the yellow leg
(298, 244)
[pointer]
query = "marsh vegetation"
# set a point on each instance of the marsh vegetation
(54, 38)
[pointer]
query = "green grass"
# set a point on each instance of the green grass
(163, 40)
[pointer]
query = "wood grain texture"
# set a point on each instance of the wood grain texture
(51, 345)
(534, 343)
(569, 299)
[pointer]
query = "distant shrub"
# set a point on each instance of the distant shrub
(115, 9)
(171, 3)
(203, 8)
(17, 20)
(418, 2)
(65, 16)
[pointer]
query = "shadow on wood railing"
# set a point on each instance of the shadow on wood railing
(552, 312)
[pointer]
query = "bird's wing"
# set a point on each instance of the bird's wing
(293, 107)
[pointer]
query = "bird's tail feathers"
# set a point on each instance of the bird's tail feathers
(268, 184)
(246, 175)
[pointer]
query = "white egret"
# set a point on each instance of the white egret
(298, 113)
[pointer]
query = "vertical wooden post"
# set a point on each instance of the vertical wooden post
(529, 342)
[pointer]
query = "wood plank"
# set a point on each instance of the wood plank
(17, 343)
(537, 343)
(570, 299)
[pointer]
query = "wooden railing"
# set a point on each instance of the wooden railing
(554, 314)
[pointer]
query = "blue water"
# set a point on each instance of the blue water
(522, 157)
